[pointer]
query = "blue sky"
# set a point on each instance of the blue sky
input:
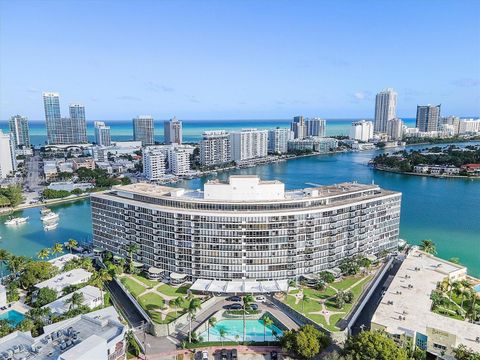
(238, 59)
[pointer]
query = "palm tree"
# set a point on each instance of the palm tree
(44, 253)
(72, 243)
(247, 300)
(132, 248)
(57, 248)
(99, 278)
(222, 332)
(192, 308)
(212, 321)
(178, 302)
(471, 310)
(75, 300)
(267, 322)
(428, 246)
(4, 257)
(17, 263)
(291, 283)
(305, 299)
(466, 287)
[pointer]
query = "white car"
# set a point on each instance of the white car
(260, 298)
(204, 355)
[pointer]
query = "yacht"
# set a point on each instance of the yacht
(16, 221)
(52, 226)
(45, 211)
(49, 217)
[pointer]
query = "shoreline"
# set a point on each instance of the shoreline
(51, 202)
(427, 175)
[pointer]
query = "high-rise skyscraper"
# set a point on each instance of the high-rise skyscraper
(143, 130)
(428, 117)
(315, 127)
(361, 130)
(19, 128)
(79, 125)
(102, 134)
(51, 104)
(298, 127)
(7, 155)
(172, 131)
(385, 109)
(248, 144)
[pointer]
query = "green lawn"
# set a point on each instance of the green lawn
(152, 301)
(345, 283)
(148, 283)
(170, 290)
(309, 306)
(132, 286)
(316, 294)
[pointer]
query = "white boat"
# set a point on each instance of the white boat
(45, 211)
(49, 217)
(52, 226)
(16, 221)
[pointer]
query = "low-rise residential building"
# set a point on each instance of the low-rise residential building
(317, 144)
(50, 169)
(83, 162)
(215, 148)
(469, 126)
(69, 186)
(92, 297)
(436, 169)
(60, 261)
(405, 310)
(99, 335)
(473, 169)
(61, 281)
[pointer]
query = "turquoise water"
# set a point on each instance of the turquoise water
(444, 210)
(13, 317)
(121, 130)
(28, 239)
(233, 328)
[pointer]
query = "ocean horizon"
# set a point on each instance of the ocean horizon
(121, 130)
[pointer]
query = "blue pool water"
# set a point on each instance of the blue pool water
(13, 317)
(477, 288)
(234, 331)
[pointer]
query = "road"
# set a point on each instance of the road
(134, 317)
(366, 315)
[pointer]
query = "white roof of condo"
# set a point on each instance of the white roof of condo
(244, 188)
(90, 295)
(408, 297)
(239, 286)
(62, 260)
(59, 282)
(88, 335)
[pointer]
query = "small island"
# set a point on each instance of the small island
(446, 161)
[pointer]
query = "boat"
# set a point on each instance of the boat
(45, 211)
(51, 226)
(49, 217)
(16, 221)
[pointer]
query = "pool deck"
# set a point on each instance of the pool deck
(17, 306)
(218, 306)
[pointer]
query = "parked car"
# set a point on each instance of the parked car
(260, 298)
(204, 355)
(273, 355)
(236, 306)
(224, 354)
(234, 354)
(253, 306)
(234, 298)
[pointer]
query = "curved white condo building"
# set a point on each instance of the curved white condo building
(246, 229)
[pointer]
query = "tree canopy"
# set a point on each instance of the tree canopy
(305, 342)
(373, 345)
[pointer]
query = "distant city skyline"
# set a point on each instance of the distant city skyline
(239, 59)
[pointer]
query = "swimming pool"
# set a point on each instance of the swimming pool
(234, 331)
(477, 288)
(13, 317)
